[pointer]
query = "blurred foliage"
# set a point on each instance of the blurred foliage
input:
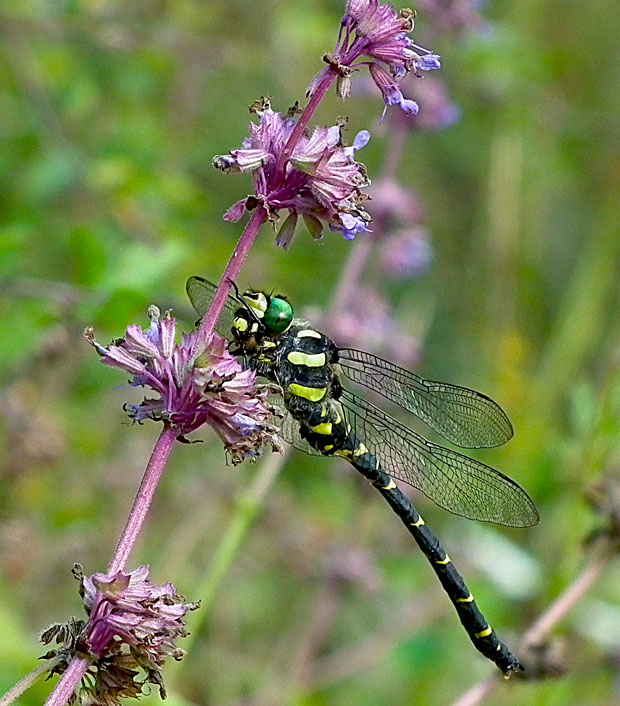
(109, 116)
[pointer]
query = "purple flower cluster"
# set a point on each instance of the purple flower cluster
(132, 628)
(321, 181)
(378, 32)
(128, 608)
(195, 384)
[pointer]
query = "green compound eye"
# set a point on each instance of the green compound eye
(278, 316)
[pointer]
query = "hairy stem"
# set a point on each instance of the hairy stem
(69, 681)
(302, 124)
(143, 499)
(24, 684)
(233, 268)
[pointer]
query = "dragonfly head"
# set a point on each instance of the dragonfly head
(261, 315)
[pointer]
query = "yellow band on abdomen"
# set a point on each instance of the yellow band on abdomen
(314, 394)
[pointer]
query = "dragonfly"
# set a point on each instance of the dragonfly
(317, 414)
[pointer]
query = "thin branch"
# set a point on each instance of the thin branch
(143, 499)
(25, 684)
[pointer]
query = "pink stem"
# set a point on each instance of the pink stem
(143, 499)
(302, 124)
(69, 681)
(231, 272)
(233, 268)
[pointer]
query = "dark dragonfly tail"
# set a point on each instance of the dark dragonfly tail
(479, 631)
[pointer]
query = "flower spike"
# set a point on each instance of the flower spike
(321, 181)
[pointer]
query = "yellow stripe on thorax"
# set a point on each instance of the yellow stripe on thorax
(308, 333)
(315, 360)
(314, 394)
(324, 428)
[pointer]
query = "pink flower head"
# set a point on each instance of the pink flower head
(321, 181)
(132, 627)
(195, 385)
(376, 31)
(130, 609)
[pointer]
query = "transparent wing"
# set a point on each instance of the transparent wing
(288, 426)
(455, 482)
(200, 292)
(464, 417)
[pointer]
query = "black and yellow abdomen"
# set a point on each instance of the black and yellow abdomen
(304, 367)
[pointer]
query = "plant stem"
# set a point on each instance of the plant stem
(25, 684)
(233, 268)
(302, 124)
(249, 506)
(351, 276)
(143, 499)
(137, 515)
(65, 688)
(567, 600)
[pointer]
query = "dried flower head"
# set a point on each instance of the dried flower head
(132, 628)
(376, 31)
(195, 385)
(322, 182)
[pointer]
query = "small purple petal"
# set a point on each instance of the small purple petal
(247, 160)
(314, 84)
(429, 62)
(333, 138)
(168, 332)
(235, 212)
(361, 140)
(350, 226)
(409, 107)
(140, 345)
(116, 357)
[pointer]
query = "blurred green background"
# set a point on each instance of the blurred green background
(109, 116)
